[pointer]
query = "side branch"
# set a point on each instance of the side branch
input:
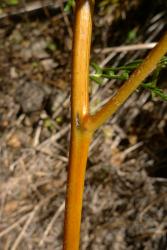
(95, 121)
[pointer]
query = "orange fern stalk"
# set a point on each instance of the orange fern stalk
(80, 138)
(82, 123)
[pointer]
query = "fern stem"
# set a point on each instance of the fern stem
(80, 139)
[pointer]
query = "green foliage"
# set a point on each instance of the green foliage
(119, 73)
(12, 2)
(132, 35)
(123, 73)
(69, 5)
(155, 90)
(6, 3)
(51, 46)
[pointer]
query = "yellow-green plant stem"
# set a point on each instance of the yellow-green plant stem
(80, 138)
(95, 121)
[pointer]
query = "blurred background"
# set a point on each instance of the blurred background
(125, 201)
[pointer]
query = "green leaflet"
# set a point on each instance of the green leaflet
(123, 73)
(69, 5)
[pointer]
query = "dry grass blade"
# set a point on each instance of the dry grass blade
(123, 48)
(50, 225)
(26, 225)
(13, 226)
(28, 222)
